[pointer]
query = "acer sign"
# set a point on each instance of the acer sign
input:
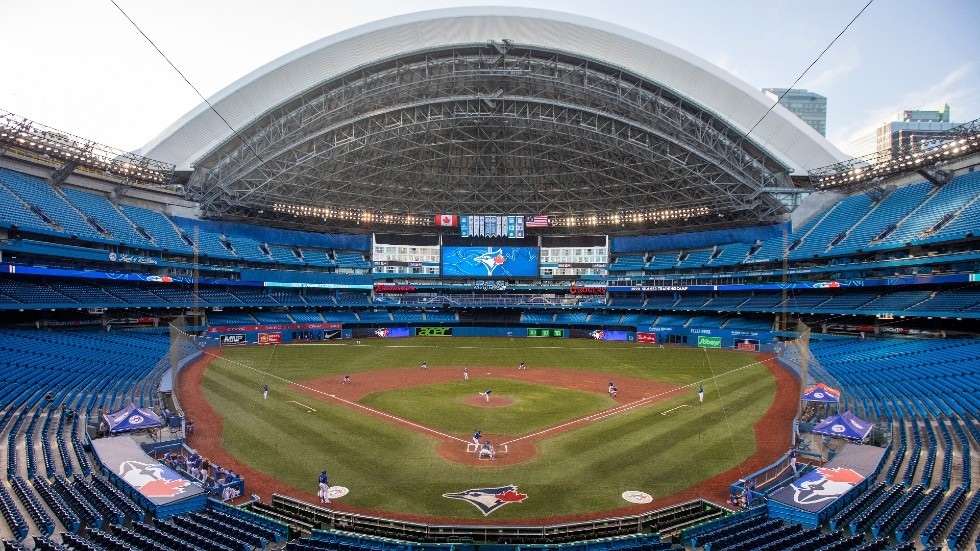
(433, 331)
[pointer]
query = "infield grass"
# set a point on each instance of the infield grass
(585, 470)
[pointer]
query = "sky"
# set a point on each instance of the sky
(83, 68)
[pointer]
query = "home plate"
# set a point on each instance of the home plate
(672, 409)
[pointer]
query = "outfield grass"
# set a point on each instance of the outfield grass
(389, 467)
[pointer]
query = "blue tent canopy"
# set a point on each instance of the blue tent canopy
(844, 425)
(131, 418)
(821, 393)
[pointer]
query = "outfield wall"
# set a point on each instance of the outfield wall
(235, 335)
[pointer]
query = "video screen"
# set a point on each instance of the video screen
(489, 261)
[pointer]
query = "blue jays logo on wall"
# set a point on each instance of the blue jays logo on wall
(488, 500)
(153, 480)
(381, 333)
(824, 484)
(491, 260)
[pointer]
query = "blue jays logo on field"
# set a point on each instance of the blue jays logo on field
(488, 500)
(824, 484)
(153, 479)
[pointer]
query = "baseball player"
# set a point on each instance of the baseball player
(324, 484)
(522, 366)
(700, 394)
(487, 394)
(346, 379)
(424, 366)
(265, 392)
(466, 374)
(486, 450)
(476, 437)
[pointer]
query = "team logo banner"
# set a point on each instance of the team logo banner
(152, 479)
(825, 485)
(488, 500)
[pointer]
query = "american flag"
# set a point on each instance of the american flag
(539, 221)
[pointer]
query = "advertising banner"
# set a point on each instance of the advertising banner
(709, 342)
(646, 337)
(270, 338)
(536, 332)
(433, 331)
(233, 339)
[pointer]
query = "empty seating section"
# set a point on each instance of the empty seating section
(662, 261)
(231, 318)
(627, 263)
(676, 320)
(249, 249)
(352, 260)
(842, 216)
(372, 316)
(272, 317)
(440, 317)
(896, 301)
(26, 292)
(37, 193)
(90, 295)
(164, 232)
(692, 300)
(106, 215)
(13, 213)
(307, 317)
(600, 318)
(285, 255)
(749, 324)
(951, 300)
(696, 259)
(706, 321)
(537, 317)
(965, 224)
(210, 244)
(894, 207)
(318, 257)
(773, 249)
(944, 202)
(762, 301)
(730, 254)
(253, 298)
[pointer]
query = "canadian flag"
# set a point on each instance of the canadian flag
(447, 220)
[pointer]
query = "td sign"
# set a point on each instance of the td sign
(709, 342)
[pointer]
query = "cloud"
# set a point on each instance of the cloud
(957, 88)
(829, 77)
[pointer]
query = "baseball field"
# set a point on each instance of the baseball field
(399, 437)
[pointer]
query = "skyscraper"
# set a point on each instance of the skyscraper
(808, 106)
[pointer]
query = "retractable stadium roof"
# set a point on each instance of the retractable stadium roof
(493, 111)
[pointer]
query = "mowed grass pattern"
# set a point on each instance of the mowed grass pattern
(389, 467)
(534, 407)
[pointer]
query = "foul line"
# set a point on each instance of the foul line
(304, 405)
(348, 402)
(587, 419)
(626, 407)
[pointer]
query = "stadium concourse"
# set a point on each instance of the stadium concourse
(421, 183)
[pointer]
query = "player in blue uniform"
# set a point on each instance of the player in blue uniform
(265, 392)
(700, 394)
(476, 437)
(324, 485)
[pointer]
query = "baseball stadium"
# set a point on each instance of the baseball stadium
(488, 279)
